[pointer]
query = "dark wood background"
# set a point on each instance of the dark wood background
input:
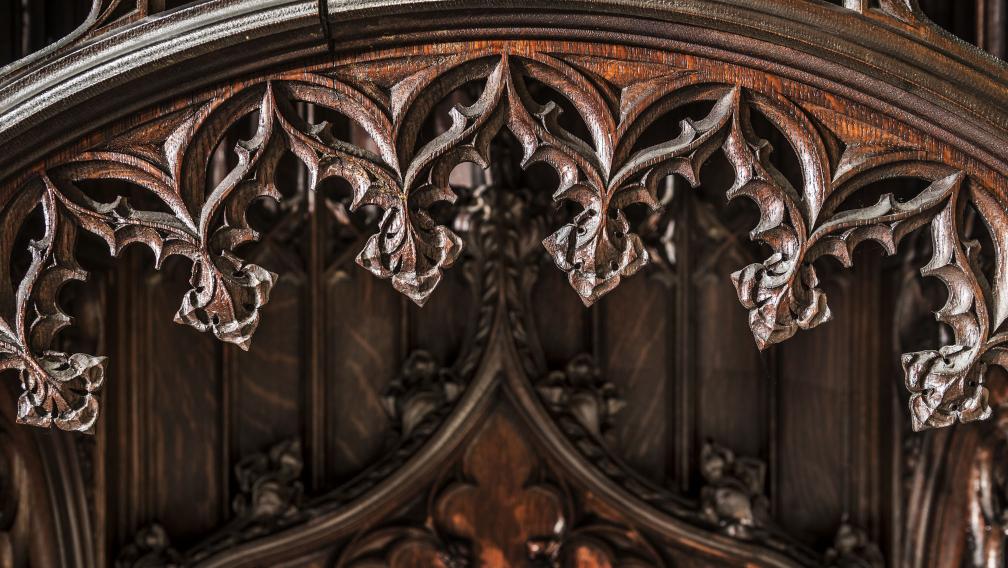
(824, 413)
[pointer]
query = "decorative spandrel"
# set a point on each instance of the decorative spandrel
(605, 169)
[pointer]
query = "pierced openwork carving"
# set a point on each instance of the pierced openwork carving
(842, 153)
(613, 113)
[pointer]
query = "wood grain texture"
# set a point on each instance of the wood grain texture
(504, 167)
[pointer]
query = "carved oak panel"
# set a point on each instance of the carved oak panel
(491, 260)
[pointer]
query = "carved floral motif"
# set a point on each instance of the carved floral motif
(499, 513)
(733, 496)
(421, 389)
(853, 549)
(582, 391)
(150, 548)
(604, 172)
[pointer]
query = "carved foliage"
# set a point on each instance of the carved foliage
(853, 549)
(58, 388)
(269, 484)
(269, 497)
(604, 172)
(782, 293)
(581, 391)
(421, 390)
(150, 548)
(732, 496)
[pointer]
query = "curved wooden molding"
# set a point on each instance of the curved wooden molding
(857, 109)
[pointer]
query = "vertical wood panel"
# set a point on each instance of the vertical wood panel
(441, 325)
(184, 405)
(268, 377)
(564, 325)
(813, 467)
(362, 356)
(635, 343)
(123, 425)
(731, 378)
(868, 392)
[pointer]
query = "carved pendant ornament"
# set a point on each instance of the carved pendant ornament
(580, 109)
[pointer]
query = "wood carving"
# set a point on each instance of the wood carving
(853, 549)
(150, 548)
(733, 495)
(420, 392)
(906, 11)
(987, 496)
(604, 131)
(597, 248)
(581, 391)
(603, 174)
(500, 513)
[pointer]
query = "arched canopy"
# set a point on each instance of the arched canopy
(865, 92)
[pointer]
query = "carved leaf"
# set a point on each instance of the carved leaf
(225, 298)
(593, 251)
(598, 248)
(886, 222)
(227, 292)
(947, 385)
(782, 294)
(58, 388)
(410, 248)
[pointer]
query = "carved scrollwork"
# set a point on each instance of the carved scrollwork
(58, 388)
(604, 172)
(782, 293)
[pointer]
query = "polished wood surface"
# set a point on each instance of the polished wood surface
(470, 280)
